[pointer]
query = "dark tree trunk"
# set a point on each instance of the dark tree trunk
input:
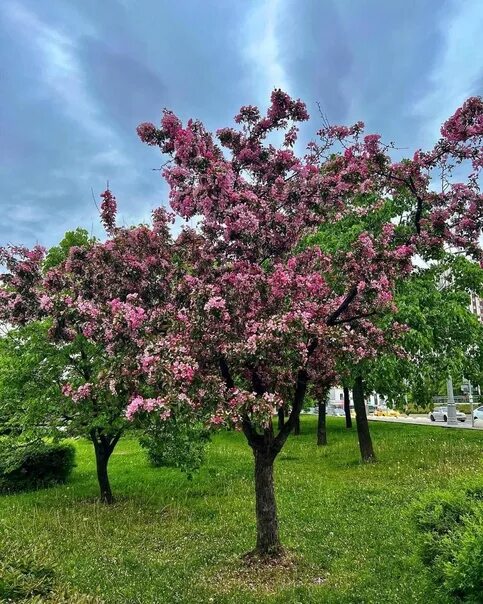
(296, 428)
(322, 425)
(103, 447)
(281, 418)
(365, 441)
(265, 448)
(268, 542)
(347, 408)
(102, 459)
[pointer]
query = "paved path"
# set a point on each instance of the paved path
(425, 421)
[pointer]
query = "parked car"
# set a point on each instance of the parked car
(478, 412)
(440, 414)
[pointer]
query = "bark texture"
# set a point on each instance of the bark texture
(322, 424)
(363, 433)
(281, 418)
(347, 408)
(103, 447)
(268, 541)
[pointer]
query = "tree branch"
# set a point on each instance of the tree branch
(352, 293)
(254, 439)
(225, 372)
(298, 401)
(354, 318)
(114, 441)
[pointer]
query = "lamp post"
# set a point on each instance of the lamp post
(467, 388)
(451, 407)
(470, 397)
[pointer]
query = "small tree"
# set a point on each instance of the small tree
(322, 419)
(95, 298)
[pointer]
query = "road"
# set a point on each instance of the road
(425, 421)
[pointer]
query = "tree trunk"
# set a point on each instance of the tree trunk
(268, 542)
(281, 418)
(322, 425)
(103, 449)
(347, 408)
(296, 428)
(365, 441)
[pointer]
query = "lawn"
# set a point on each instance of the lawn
(173, 540)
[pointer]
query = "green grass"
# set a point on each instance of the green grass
(173, 540)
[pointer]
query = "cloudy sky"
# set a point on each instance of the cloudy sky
(77, 76)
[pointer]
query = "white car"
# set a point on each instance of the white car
(478, 412)
(440, 414)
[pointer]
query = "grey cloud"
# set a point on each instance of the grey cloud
(370, 60)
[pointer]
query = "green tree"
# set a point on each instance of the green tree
(58, 253)
(444, 336)
(31, 370)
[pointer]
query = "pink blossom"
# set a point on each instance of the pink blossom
(215, 303)
(184, 371)
(45, 302)
(147, 133)
(108, 210)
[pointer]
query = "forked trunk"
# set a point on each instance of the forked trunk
(268, 542)
(363, 433)
(103, 448)
(265, 448)
(347, 408)
(322, 425)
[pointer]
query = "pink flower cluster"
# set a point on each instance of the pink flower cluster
(139, 404)
(133, 315)
(108, 210)
(215, 303)
(184, 372)
(78, 394)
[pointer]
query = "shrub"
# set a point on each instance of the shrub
(415, 408)
(178, 444)
(452, 541)
(33, 465)
(440, 511)
(463, 571)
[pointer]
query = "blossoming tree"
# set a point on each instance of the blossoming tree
(96, 300)
(257, 316)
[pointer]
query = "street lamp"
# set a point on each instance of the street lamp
(451, 407)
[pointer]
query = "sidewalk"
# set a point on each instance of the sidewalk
(425, 421)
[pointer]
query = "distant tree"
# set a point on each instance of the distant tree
(347, 407)
(363, 433)
(443, 338)
(59, 253)
(322, 419)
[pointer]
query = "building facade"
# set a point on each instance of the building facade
(476, 306)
